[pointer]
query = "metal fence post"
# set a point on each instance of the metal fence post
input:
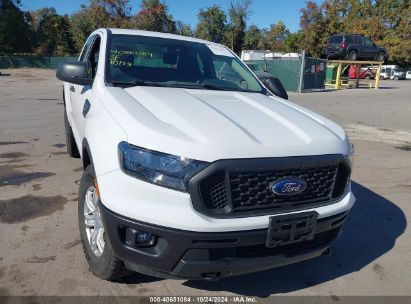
(300, 85)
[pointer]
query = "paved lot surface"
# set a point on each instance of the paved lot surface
(40, 251)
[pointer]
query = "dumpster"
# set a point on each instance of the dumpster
(331, 73)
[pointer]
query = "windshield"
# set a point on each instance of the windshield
(153, 61)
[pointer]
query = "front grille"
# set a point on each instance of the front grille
(213, 190)
(252, 190)
(233, 191)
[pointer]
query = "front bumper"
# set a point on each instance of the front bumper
(211, 255)
(146, 202)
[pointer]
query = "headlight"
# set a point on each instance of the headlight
(350, 150)
(158, 168)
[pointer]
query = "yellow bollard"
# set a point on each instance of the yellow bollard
(377, 76)
(337, 79)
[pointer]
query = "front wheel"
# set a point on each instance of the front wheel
(381, 57)
(99, 255)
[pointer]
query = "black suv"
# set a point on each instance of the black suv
(353, 47)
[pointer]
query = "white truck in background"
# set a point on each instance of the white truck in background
(391, 72)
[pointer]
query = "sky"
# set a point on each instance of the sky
(263, 12)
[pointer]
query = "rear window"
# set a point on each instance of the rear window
(336, 39)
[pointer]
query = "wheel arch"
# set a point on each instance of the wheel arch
(86, 155)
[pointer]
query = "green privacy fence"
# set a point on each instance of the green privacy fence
(287, 71)
(8, 62)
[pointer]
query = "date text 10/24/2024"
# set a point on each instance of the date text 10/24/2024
(203, 299)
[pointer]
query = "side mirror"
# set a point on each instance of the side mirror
(74, 72)
(276, 87)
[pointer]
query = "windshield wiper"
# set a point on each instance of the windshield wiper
(205, 86)
(137, 82)
(214, 87)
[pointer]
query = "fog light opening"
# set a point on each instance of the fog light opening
(144, 238)
(139, 238)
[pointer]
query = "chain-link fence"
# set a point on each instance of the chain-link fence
(288, 71)
(9, 62)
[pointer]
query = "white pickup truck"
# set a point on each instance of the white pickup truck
(189, 174)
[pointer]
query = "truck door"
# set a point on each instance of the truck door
(80, 95)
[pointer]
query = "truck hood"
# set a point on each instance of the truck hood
(209, 125)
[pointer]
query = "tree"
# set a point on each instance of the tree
(253, 39)
(238, 13)
(333, 11)
(211, 24)
(118, 11)
(84, 22)
(99, 13)
(312, 23)
(398, 33)
(52, 32)
(183, 29)
(292, 42)
(15, 34)
(154, 16)
(277, 35)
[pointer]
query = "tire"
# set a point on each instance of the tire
(396, 78)
(380, 57)
(352, 55)
(101, 259)
(71, 145)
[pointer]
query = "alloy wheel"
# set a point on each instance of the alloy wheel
(93, 222)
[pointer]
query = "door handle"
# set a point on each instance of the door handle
(72, 88)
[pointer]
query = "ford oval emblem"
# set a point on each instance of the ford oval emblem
(289, 186)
